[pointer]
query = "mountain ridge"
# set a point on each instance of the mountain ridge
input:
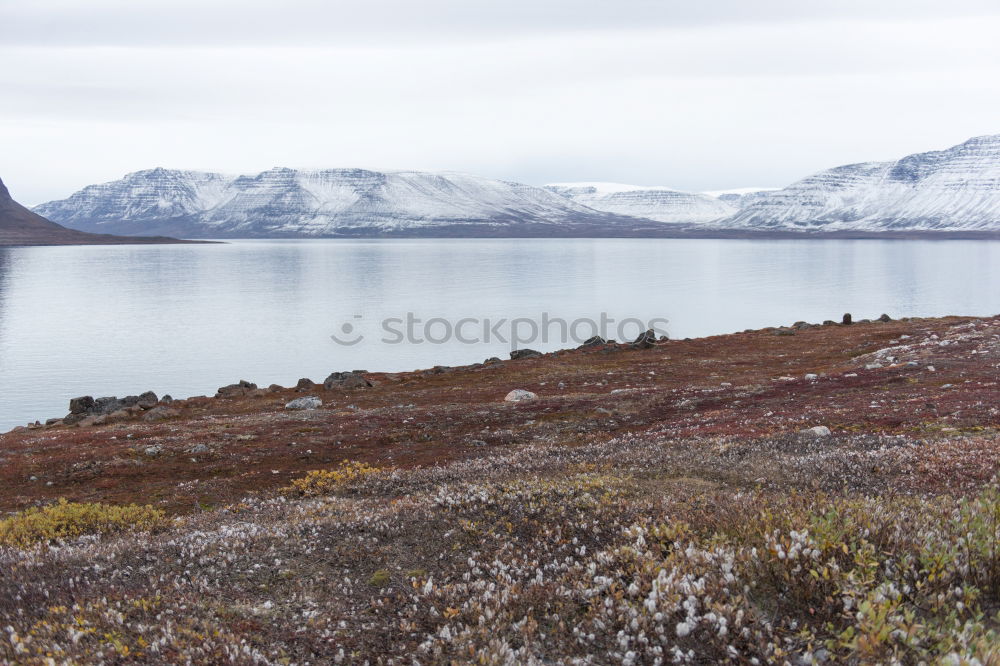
(283, 202)
(953, 192)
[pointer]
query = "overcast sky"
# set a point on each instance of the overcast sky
(697, 95)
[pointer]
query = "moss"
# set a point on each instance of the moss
(380, 578)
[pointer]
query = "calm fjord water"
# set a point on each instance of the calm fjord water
(184, 320)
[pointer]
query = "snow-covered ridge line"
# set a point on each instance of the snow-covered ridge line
(957, 189)
(317, 202)
(662, 204)
(953, 190)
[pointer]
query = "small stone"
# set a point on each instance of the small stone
(873, 366)
(478, 442)
(829, 322)
(199, 448)
(492, 360)
(816, 432)
(308, 402)
(153, 450)
(518, 354)
(847, 319)
(518, 395)
(811, 376)
(274, 388)
(784, 331)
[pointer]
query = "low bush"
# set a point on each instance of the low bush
(66, 520)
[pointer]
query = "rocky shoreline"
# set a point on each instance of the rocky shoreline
(601, 389)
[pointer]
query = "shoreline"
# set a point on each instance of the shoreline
(361, 416)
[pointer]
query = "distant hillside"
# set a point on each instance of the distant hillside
(20, 226)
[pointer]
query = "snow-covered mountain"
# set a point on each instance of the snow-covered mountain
(741, 196)
(655, 203)
(953, 190)
(286, 203)
(957, 189)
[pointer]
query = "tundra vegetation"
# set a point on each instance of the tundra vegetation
(721, 531)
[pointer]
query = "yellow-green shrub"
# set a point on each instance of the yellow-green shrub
(71, 519)
(322, 481)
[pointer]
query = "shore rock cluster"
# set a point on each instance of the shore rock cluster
(87, 410)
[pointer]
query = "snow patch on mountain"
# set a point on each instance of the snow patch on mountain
(662, 204)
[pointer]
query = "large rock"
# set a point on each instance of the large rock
(646, 340)
(147, 400)
(237, 390)
(594, 342)
(308, 402)
(160, 413)
(524, 353)
(816, 432)
(81, 405)
(346, 380)
(520, 395)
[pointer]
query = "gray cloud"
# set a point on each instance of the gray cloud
(703, 95)
(382, 22)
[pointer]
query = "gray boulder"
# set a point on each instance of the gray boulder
(147, 400)
(816, 432)
(308, 402)
(519, 395)
(160, 413)
(345, 380)
(238, 390)
(81, 405)
(646, 340)
(518, 354)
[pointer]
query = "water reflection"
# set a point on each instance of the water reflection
(186, 319)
